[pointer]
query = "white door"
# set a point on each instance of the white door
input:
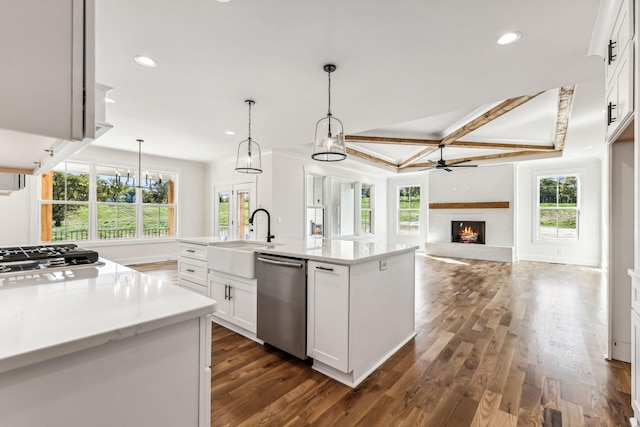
(232, 208)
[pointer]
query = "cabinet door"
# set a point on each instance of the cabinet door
(619, 39)
(328, 314)
(45, 75)
(243, 305)
(219, 292)
(620, 96)
(635, 363)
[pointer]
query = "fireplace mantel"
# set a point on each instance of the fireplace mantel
(470, 205)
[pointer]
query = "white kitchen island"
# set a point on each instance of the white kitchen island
(103, 346)
(360, 295)
(360, 303)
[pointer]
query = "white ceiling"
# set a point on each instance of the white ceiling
(405, 68)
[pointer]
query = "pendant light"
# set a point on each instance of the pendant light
(328, 145)
(249, 158)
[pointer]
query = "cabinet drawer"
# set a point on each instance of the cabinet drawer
(192, 270)
(193, 251)
(195, 287)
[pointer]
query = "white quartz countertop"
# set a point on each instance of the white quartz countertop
(336, 251)
(49, 314)
(201, 240)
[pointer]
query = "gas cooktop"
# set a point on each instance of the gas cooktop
(25, 258)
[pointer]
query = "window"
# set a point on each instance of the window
(71, 201)
(558, 207)
(366, 209)
(409, 210)
(64, 209)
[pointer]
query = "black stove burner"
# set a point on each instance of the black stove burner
(53, 255)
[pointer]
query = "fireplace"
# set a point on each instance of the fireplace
(467, 232)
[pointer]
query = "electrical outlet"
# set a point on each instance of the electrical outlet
(383, 264)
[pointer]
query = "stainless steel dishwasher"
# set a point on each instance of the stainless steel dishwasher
(282, 303)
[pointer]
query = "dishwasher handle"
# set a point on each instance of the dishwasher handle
(281, 263)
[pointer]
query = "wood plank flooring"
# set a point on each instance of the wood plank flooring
(497, 344)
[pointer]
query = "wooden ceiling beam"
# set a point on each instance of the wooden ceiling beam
(388, 140)
(371, 158)
(565, 101)
(468, 144)
(501, 146)
(415, 157)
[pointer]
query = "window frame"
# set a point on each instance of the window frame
(399, 232)
(371, 209)
(94, 204)
(578, 209)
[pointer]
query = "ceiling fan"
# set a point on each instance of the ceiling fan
(442, 164)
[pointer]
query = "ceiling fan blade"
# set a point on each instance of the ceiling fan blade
(431, 161)
(447, 169)
(462, 166)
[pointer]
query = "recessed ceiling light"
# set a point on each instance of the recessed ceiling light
(224, 1)
(588, 148)
(109, 100)
(230, 132)
(509, 38)
(145, 60)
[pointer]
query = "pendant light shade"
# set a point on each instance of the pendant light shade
(328, 145)
(249, 158)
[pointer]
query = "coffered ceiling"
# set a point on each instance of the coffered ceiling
(410, 75)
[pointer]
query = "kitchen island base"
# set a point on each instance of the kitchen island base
(360, 314)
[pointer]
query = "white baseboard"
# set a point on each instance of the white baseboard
(559, 260)
(621, 351)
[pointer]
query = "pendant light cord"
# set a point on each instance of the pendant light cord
(249, 119)
(329, 112)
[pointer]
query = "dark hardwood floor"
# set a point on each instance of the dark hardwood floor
(497, 344)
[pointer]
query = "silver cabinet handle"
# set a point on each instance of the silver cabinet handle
(191, 270)
(191, 251)
(324, 268)
(281, 263)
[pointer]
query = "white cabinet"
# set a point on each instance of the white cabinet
(237, 299)
(619, 71)
(192, 268)
(328, 314)
(157, 377)
(48, 73)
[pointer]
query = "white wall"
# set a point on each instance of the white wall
(481, 184)
(281, 189)
(587, 251)
(19, 212)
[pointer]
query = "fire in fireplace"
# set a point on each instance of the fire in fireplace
(467, 231)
